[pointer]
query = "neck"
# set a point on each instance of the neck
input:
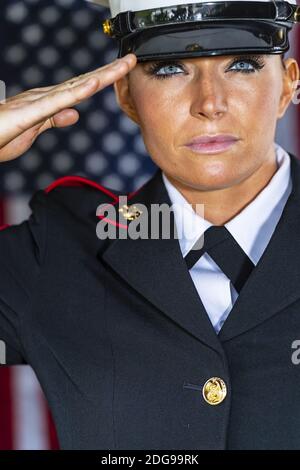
(222, 205)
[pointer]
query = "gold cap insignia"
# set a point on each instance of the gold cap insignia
(297, 14)
(107, 27)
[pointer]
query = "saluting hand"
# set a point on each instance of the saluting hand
(25, 116)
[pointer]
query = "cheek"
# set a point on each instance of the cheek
(161, 117)
(258, 109)
(161, 105)
(159, 112)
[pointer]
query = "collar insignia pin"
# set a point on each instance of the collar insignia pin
(130, 212)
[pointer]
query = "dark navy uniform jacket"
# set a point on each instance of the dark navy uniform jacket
(120, 340)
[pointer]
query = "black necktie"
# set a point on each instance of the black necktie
(226, 252)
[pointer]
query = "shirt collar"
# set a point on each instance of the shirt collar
(253, 226)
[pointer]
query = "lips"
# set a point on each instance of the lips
(207, 139)
(212, 144)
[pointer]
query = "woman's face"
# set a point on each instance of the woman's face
(175, 102)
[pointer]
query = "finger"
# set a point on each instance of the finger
(58, 100)
(37, 93)
(129, 59)
(19, 145)
(64, 118)
(24, 141)
(28, 95)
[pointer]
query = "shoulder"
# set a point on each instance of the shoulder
(74, 194)
(65, 201)
(78, 186)
(81, 183)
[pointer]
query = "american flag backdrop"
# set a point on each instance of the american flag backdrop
(45, 42)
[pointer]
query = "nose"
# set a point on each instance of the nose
(209, 97)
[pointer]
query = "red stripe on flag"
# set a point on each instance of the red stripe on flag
(1, 212)
(6, 417)
(53, 440)
(296, 55)
(6, 411)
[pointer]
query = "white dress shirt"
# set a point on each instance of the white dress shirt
(252, 228)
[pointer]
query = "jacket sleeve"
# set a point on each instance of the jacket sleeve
(22, 248)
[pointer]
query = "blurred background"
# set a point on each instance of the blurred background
(44, 42)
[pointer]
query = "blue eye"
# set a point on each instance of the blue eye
(243, 65)
(161, 70)
(169, 70)
(246, 66)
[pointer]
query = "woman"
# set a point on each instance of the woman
(150, 342)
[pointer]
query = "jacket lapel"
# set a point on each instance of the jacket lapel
(275, 281)
(156, 269)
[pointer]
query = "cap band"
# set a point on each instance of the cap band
(130, 22)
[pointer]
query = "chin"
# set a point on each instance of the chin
(212, 185)
(207, 178)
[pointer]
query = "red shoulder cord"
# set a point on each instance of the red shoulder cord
(67, 181)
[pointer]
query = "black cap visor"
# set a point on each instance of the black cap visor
(206, 39)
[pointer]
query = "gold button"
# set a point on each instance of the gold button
(214, 391)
